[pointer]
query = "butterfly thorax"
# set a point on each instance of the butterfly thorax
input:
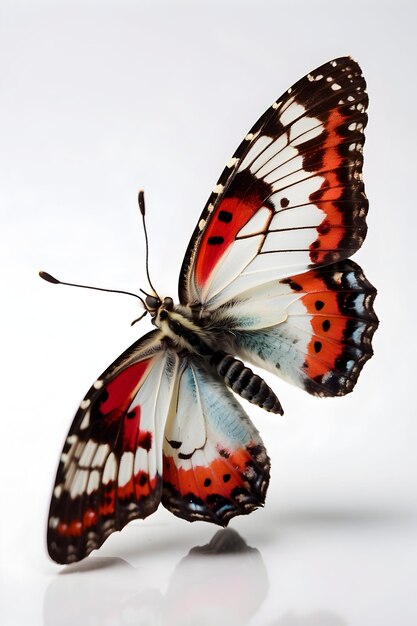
(184, 330)
(195, 337)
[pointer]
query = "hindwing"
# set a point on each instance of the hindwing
(215, 464)
(313, 329)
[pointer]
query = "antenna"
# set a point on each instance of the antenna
(141, 201)
(55, 281)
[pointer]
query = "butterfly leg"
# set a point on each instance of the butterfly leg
(244, 382)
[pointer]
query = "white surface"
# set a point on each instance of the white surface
(97, 100)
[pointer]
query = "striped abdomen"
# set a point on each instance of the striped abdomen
(245, 383)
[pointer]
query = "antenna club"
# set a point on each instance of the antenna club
(141, 201)
(49, 278)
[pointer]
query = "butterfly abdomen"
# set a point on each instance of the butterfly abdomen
(244, 382)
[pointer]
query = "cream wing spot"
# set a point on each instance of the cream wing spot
(141, 461)
(126, 468)
(232, 162)
(307, 215)
(100, 455)
(86, 421)
(257, 223)
(69, 477)
(93, 482)
(305, 125)
(288, 179)
(293, 112)
(285, 171)
(110, 469)
(275, 159)
(234, 261)
(67, 457)
(58, 490)
(88, 453)
(307, 136)
(257, 147)
(300, 193)
(79, 483)
(278, 152)
(299, 239)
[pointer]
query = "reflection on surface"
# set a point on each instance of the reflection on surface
(98, 592)
(222, 582)
(225, 579)
(319, 618)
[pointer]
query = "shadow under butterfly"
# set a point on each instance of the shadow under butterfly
(267, 280)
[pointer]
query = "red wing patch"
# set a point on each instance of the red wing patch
(106, 476)
(121, 390)
(232, 215)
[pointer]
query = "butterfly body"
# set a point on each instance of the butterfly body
(266, 280)
(191, 333)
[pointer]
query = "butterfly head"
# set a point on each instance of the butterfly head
(152, 304)
(158, 308)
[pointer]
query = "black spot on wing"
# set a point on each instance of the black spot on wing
(325, 325)
(214, 241)
(175, 444)
(292, 283)
(225, 216)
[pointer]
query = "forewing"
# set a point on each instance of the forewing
(314, 329)
(110, 470)
(292, 196)
(215, 464)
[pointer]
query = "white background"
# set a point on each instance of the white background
(97, 100)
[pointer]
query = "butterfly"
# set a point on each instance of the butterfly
(266, 280)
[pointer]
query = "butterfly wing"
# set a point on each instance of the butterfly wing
(110, 470)
(215, 464)
(291, 197)
(325, 330)
(267, 260)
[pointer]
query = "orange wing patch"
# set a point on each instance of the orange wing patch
(341, 195)
(339, 301)
(234, 483)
